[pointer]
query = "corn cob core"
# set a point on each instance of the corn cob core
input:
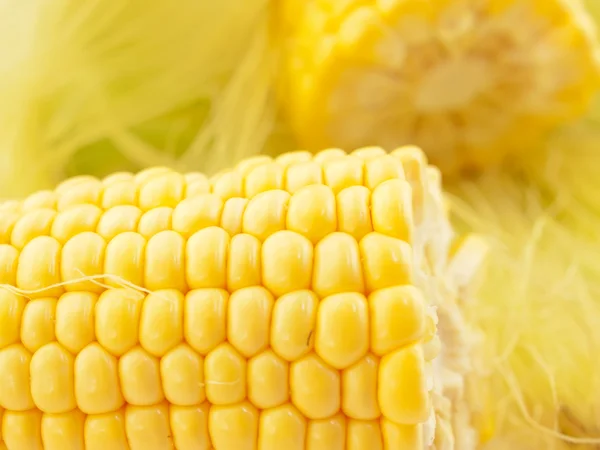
(289, 303)
(467, 80)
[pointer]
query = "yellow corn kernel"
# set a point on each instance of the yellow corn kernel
(124, 260)
(206, 258)
(12, 307)
(266, 214)
(366, 434)
(247, 165)
(83, 256)
(52, 379)
(161, 321)
(162, 190)
(387, 261)
(382, 168)
(263, 178)
(15, 394)
(432, 349)
(342, 331)
(403, 395)
(75, 220)
(205, 319)
(120, 192)
(225, 375)
(148, 427)
(312, 212)
(414, 162)
(268, 384)
(228, 185)
(341, 173)
(84, 192)
(10, 206)
(294, 157)
(368, 153)
(9, 258)
(315, 387)
(40, 199)
(106, 431)
(244, 262)
(337, 266)
(303, 174)
(232, 216)
(281, 427)
(397, 318)
(97, 388)
(359, 389)
(117, 220)
(117, 317)
(38, 324)
(354, 211)
(7, 222)
(39, 267)
(117, 177)
(139, 373)
(189, 425)
(154, 221)
(34, 223)
(70, 183)
(395, 435)
(145, 175)
(327, 434)
(391, 206)
(194, 214)
(196, 184)
(192, 177)
(22, 430)
(249, 320)
(182, 374)
(287, 260)
(329, 154)
(233, 426)
(60, 431)
(75, 320)
(293, 323)
(430, 327)
(165, 261)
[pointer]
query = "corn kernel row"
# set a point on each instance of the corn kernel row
(241, 427)
(286, 261)
(142, 349)
(325, 212)
(162, 187)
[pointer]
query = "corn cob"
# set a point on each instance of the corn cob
(467, 80)
(289, 303)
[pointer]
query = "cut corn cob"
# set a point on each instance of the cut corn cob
(288, 303)
(467, 80)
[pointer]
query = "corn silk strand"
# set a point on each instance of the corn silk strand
(539, 304)
(105, 85)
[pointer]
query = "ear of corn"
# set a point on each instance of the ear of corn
(306, 302)
(467, 80)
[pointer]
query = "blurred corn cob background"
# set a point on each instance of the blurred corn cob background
(501, 94)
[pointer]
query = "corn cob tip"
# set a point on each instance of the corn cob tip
(468, 81)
